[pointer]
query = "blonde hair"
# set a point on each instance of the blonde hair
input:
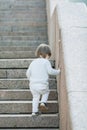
(43, 50)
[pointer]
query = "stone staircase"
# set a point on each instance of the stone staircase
(23, 26)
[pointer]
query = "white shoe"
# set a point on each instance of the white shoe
(36, 113)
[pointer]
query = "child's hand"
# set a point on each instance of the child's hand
(59, 71)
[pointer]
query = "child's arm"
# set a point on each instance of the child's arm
(28, 73)
(52, 71)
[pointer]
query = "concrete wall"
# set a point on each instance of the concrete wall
(51, 4)
(71, 57)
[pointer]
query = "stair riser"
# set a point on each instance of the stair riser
(14, 73)
(21, 14)
(33, 129)
(16, 54)
(23, 95)
(21, 38)
(22, 43)
(17, 63)
(24, 108)
(20, 33)
(33, 3)
(23, 23)
(18, 48)
(28, 122)
(21, 84)
(32, 35)
(5, 20)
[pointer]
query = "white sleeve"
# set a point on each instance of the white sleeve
(50, 70)
(28, 73)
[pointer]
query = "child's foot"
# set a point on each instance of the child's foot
(36, 113)
(43, 107)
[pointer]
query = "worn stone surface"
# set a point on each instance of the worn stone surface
(17, 63)
(21, 83)
(23, 94)
(25, 121)
(24, 107)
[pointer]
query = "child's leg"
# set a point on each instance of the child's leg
(45, 97)
(35, 103)
(43, 106)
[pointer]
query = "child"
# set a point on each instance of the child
(38, 75)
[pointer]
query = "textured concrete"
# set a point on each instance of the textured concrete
(78, 106)
(24, 107)
(23, 26)
(16, 63)
(18, 48)
(16, 54)
(76, 70)
(15, 73)
(72, 19)
(76, 12)
(34, 129)
(23, 94)
(24, 121)
(21, 83)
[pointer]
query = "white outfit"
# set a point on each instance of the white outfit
(38, 75)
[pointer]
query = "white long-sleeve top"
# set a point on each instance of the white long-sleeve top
(39, 71)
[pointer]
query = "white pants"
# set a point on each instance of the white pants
(36, 93)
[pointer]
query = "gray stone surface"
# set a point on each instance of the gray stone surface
(17, 63)
(23, 94)
(24, 107)
(21, 83)
(34, 129)
(23, 26)
(24, 121)
(16, 54)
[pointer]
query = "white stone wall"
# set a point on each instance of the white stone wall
(73, 24)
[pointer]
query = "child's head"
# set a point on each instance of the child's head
(43, 50)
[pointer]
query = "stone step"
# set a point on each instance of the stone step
(23, 32)
(22, 14)
(37, 19)
(23, 19)
(32, 12)
(33, 34)
(8, 107)
(5, 5)
(22, 38)
(21, 84)
(32, 129)
(23, 94)
(16, 54)
(21, 2)
(17, 63)
(18, 48)
(23, 23)
(22, 43)
(26, 8)
(34, 2)
(14, 73)
(27, 121)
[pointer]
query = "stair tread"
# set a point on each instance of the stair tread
(16, 101)
(27, 121)
(17, 63)
(27, 115)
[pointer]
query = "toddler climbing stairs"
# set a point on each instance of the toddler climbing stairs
(23, 26)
